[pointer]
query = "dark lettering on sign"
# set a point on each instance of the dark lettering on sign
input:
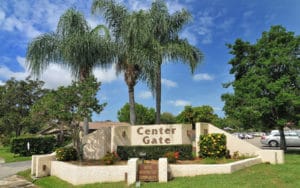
(158, 131)
(148, 172)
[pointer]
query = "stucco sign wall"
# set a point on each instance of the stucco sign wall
(156, 135)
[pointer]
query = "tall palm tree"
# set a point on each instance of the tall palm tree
(73, 45)
(166, 45)
(130, 32)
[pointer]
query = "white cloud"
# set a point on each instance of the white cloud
(55, 75)
(2, 16)
(202, 76)
(145, 95)
(168, 83)
(106, 75)
(180, 103)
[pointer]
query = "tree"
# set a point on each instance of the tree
(69, 106)
(74, 45)
(168, 118)
(267, 81)
(165, 44)
(17, 97)
(131, 33)
(192, 115)
(144, 115)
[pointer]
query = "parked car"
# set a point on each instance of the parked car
(273, 140)
(248, 136)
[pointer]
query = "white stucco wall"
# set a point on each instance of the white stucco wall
(235, 144)
(178, 170)
(78, 175)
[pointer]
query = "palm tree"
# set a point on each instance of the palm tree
(166, 45)
(130, 32)
(74, 45)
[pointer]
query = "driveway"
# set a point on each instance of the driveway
(8, 169)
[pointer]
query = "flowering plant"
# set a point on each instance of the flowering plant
(212, 146)
(172, 156)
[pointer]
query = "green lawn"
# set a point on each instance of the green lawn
(10, 157)
(262, 175)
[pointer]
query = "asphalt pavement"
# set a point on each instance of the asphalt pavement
(8, 169)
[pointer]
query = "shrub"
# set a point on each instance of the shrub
(155, 152)
(66, 154)
(212, 146)
(110, 158)
(172, 156)
(37, 145)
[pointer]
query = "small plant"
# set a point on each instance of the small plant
(236, 155)
(66, 154)
(172, 156)
(110, 158)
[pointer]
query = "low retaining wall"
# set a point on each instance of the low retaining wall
(78, 175)
(179, 170)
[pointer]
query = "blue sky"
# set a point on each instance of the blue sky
(215, 23)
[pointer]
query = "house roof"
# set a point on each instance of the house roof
(99, 124)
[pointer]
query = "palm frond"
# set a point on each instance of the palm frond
(41, 52)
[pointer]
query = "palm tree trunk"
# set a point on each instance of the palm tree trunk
(132, 104)
(83, 75)
(158, 94)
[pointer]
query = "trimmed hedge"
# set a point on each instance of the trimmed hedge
(38, 145)
(155, 152)
(212, 146)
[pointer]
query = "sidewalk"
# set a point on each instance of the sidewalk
(16, 181)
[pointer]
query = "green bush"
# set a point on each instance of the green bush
(5, 140)
(110, 158)
(212, 146)
(66, 154)
(155, 152)
(38, 145)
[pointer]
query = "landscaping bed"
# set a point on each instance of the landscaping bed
(96, 163)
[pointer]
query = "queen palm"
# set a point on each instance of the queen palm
(131, 34)
(73, 45)
(166, 45)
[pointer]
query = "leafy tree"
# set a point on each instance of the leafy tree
(16, 99)
(165, 45)
(192, 115)
(144, 115)
(267, 81)
(74, 45)
(168, 118)
(131, 34)
(69, 106)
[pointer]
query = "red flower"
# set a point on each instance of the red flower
(176, 155)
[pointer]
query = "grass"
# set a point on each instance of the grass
(10, 157)
(261, 175)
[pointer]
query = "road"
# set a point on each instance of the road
(8, 169)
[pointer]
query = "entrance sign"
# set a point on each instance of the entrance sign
(158, 134)
(148, 172)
